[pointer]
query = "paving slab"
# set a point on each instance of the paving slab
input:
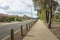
(40, 32)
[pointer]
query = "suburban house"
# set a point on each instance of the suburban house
(26, 17)
(3, 17)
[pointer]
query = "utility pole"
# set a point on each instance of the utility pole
(29, 6)
(31, 12)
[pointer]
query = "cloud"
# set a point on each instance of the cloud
(4, 8)
(58, 1)
(16, 7)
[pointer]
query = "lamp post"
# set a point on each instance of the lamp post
(31, 10)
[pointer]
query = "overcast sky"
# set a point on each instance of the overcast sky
(17, 7)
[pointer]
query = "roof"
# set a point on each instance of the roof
(3, 15)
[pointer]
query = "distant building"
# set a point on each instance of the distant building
(26, 17)
(3, 15)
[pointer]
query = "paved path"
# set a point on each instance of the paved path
(40, 32)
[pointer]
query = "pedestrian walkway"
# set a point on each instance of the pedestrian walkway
(40, 32)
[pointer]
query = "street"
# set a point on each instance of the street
(5, 29)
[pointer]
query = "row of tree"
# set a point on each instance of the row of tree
(49, 7)
(56, 16)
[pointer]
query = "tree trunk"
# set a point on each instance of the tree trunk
(50, 13)
(50, 17)
(47, 16)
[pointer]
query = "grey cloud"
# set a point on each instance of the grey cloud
(4, 8)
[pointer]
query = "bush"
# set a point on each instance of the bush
(3, 19)
(10, 18)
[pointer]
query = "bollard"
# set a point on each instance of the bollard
(12, 34)
(27, 27)
(21, 30)
(31, 24)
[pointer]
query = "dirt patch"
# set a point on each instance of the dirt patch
(55, 29)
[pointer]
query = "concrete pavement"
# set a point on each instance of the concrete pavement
(40, 32)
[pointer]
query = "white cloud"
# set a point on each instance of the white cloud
(58, 1)
(5, 2)
(16, 6)
(2, 11)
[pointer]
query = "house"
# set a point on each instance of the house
(26, 17)
(3, 17)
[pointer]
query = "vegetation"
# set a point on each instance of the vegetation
(13, 18)
(56, 17)
(49, 6)
(2, 19)
(9, 18)
(41, 14)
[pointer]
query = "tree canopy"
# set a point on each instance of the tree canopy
(38, 4)
(49, 7)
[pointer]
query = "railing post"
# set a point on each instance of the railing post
(21, 30)
(27, 27)
(12, 34)
(31, 24)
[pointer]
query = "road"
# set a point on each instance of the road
(5, 29)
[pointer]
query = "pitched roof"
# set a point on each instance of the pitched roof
(3, 15)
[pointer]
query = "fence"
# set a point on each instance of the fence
(28, 27)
